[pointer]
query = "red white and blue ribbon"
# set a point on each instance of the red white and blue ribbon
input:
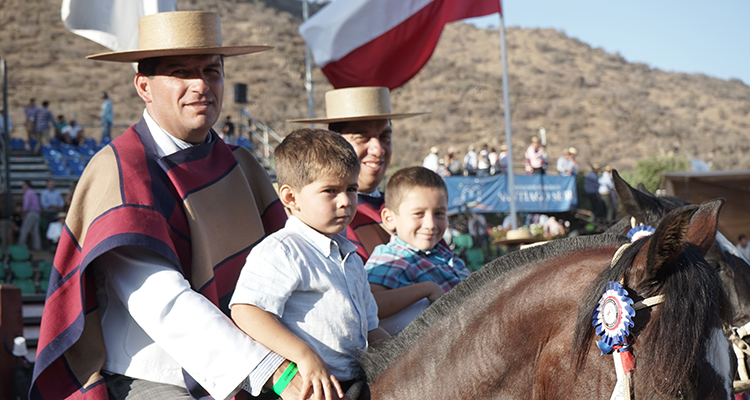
(639, 232)
(612, 318)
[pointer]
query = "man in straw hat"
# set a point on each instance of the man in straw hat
(567, 164)
(362, 115)
(137, 305)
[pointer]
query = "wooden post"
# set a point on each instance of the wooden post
(11, 325)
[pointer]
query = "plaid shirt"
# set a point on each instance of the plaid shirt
(43, 119)
(398, 264)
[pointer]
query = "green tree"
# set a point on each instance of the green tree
(651, 171)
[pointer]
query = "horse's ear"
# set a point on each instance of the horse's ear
(642, 188)
(704, 224)
(633, 202)
(669, 239)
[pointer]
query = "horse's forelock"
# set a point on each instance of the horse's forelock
(376, 360)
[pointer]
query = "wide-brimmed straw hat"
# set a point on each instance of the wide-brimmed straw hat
(357, 104)
(178, 33)
(517, 236)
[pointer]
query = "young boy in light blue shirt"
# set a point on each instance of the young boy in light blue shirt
(303, 291)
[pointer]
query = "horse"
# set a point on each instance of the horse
(647, 209)
(521, 327)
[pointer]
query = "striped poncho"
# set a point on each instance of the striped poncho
(202, 208)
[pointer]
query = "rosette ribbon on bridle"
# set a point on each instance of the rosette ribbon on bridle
(612, 319)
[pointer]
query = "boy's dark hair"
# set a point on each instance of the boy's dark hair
(306, 155)
(408, 178)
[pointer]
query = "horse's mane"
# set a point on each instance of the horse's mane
(376, 360)
(669, 345)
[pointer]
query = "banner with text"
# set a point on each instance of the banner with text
(534, 193)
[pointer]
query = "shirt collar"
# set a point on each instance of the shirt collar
(320, 241)
(375, 193)
(166, 144)
(395, 239)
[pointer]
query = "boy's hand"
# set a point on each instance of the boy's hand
(317, 381)
(434, 291)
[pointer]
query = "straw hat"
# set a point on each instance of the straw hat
(357, 104)
(572, 150)
(517, 236)
(178, 33)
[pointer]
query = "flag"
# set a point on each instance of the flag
(111, 23)
(382, 42)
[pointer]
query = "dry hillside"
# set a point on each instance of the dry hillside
(614, 111)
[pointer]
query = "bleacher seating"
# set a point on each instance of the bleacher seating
(76, 166)
(244, 142)
(17, 144)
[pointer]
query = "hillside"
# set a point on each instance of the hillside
(614, 111)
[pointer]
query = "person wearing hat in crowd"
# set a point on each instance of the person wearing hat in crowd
(452, 162)
(106, 115)
(567, 164)
(138, 300)
(536, 161)
(470, 161)
(432, 161)
(501, 167)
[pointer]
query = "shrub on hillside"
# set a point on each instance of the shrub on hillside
(651, 171)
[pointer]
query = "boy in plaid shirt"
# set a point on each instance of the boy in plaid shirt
(416, 204)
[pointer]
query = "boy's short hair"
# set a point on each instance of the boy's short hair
(306, 155)
(408, 178)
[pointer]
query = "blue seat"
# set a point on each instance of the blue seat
(244, 142)
(55, 142)
(86, 151)
(32, 143)
(76, 166)
(49, 153)
(69, 151)
(59, 168)
(90, 142)
(17, 144)
(105, 141)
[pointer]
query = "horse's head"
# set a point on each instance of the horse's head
(679, 345)
(649, 209)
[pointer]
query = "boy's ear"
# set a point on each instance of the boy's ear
(287, 197)
(387, 215)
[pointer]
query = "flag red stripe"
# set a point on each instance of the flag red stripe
(396, 56)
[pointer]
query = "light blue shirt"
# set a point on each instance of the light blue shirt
(317, 287)
(51, 198)
(106, 112)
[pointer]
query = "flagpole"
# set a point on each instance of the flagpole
(509, 142)
(308, 66)
(6, 145)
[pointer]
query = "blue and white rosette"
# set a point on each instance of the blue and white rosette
(639, 232)
(613, 317)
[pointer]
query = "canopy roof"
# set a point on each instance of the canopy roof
(734, 186)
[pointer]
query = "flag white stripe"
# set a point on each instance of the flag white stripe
(111, 23)
(358, 21)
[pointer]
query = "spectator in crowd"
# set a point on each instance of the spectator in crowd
(30, 110)
(432, 160)
(535, 157)
(483, 162)
(415, 258)
(2, 122)
(442, 169)
(73, 133)
(61, 123)
(51, 201)
(470, 161)
(228, 130)
(591, 186)
(303, 291)
(160, 230)
(55, 228)
(16, 220)
(43, 120)
(452, 162)
(502, 160)
(478, 230)
(106, 115)
(606, 190)
(567, 164)
(31, 215)
(494, 157)
(743, 246)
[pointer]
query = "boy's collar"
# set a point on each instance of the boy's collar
(398, 241)
(320, 241)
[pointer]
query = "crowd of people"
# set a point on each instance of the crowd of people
(37, 214)
(42, 126)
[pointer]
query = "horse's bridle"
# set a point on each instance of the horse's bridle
(741, 348)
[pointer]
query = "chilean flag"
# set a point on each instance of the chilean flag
(382, 42)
